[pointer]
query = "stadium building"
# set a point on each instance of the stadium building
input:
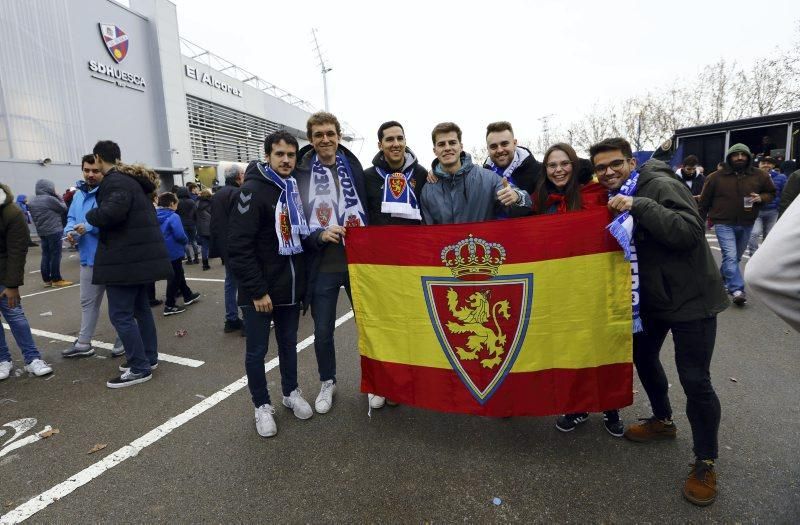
(75, 72)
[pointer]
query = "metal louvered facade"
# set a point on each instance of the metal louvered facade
(219, 133)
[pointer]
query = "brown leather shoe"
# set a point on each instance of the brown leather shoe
(701, 485)
(651, 429)
(62, 283)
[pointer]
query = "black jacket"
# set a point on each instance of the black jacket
(374, 182)
(14, 240)
(130, 249)
(312, 244)
(253, 256)
(221, 203)
(697, 183)
(204, 216)
(187, 209)
(679, 279)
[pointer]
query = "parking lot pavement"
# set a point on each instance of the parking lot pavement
(183, 448)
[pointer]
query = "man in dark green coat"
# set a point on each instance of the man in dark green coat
(680, 290)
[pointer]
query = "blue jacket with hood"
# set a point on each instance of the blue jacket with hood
(172, 230)
(85, 199)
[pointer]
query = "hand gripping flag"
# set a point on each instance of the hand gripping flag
(506, 318)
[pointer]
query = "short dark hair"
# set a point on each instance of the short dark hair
(167, 199)
(88, 159)
(108, 151)
(445, 127)
(191, 185)
(502, 125)
(322, 117)
(769, 160)
(387, 125)
(612, 144)
(281, 135)
(691, 160)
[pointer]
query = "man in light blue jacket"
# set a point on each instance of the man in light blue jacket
(80, 232)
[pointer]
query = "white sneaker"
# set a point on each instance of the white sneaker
(265, 423)
(38, 368)
(300, 407)
(5, 369)
(376, 401)
(325, 398)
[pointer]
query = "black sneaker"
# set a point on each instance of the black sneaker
(172, 310)
(193, 299)
(128, 379)
(74, 351)
(232, 326)
(613, 424)
(124, 367)
(569, 422)
(156, 302)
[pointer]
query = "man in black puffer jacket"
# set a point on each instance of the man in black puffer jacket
(187, 211)
(131, 254)
(221, 204)
(265, 254)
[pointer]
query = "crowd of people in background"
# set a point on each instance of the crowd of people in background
(279, 229)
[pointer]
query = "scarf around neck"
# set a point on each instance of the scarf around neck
(622, 229)
(329, 208)
(399, 198)
(290, 221)
(519, 156)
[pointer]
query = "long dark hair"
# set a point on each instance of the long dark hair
(572, 194)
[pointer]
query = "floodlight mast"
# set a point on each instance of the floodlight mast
(323, 68)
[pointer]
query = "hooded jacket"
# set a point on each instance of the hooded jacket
(172, 230)
(221, 203)
(204, 216)
(374, 186)
(469, 195)
(187, 208)
(24, 207)
(83, 201)
(47, 209)
(679, 280)
(130, 250)
(253, 255)
(724, 192)
(14, 239)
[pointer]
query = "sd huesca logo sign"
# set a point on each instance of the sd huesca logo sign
(116, 41)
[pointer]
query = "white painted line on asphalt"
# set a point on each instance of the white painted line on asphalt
(51, 290)
(48, 497)
(185, 361)
(205, 280)
(25, 441)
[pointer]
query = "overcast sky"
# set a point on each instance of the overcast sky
(474, 62)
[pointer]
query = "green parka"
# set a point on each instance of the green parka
(679, 279)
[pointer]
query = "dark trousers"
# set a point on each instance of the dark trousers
(51, 257)
(177, 285)
(129, 311)
(256, 324)
(191, 246)
(694, 346)
(323, 310)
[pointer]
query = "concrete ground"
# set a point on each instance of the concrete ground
(183, 447)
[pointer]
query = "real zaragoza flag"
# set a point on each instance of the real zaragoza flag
(506, 318)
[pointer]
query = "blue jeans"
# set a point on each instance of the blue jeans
(764, 222)
(323, 310)
(694, 346)
(20, 329)
(205, 243)
(231, 310)
(256, 325)
(129, 311)
(732, 241)
(51, 257)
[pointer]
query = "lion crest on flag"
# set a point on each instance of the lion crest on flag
(473, 319)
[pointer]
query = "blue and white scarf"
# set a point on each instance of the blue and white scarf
(622, 229)
(399, 198)
(329, 208)
(290, 221)
(519, 156)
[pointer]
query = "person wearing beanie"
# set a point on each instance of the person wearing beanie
(731, 198)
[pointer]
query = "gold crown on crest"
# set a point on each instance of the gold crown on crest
(473, 259)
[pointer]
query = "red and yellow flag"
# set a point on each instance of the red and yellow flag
(505, 318)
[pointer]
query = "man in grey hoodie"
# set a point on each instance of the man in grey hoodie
(49, 213)
(465, 192)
